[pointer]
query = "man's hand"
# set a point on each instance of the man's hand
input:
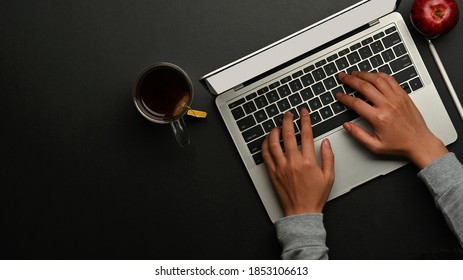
(301, 184)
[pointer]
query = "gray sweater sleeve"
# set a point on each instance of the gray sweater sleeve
(444, 178)
(302, 237)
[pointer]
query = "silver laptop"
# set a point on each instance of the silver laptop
(300, 71)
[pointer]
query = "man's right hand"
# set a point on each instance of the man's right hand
(399, 128)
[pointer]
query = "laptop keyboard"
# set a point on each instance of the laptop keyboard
(314, 87)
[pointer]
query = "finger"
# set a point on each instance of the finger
(307, 145)
(379, 80)
(364, 87)
(289, 137)
(396, 88)
(274, 146)
(361, 107)
(370, 142)
(268, 159)
(327, 160)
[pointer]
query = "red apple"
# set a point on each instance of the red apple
(433, 18)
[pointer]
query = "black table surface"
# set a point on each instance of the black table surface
(85, 176)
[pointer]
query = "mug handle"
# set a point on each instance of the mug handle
(180, 132)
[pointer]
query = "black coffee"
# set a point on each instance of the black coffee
(165, 92)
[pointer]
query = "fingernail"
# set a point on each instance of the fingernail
(341, 75)
(326, 143)
(347, 126)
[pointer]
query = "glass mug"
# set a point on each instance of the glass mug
(163, 93)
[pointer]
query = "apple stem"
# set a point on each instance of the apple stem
(438, 11)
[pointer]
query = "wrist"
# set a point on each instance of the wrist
(304, 210)
(432, 149)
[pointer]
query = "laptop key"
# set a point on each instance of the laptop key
(326, 98)
(284, 91)
(352, 69)
(336, 90)
(315, 104)
(260, 116)
(251, 96)
(295, 113)
(249, 107)
(320, 63)
(330, 69)
(355, 46)
(378, 35)
(315, 118)
(326, 112)
(297, 74)
(309, 68)
(388, 55)
(253, 133)
(348, 89)
(261, 102)
(406, 87)
(353, 58)
(272, 96)
(365, 52)
(344, 52)
(332, 57)
(400, 50)
(263, 90)
(365, 66)
(272, 110)
(295, 85)
(330, 83)
(338, 107)
(238, 113)
(333, 122)
(283, 105)
(285, 79)
(268, 125)
(295, 99)
(307, 94)
(390, 29)
(236, 103)
(342, 63)
(405, 75)
(307, 80)
(303, 105)
(318, 74)
(400, 63)
(258, 159)
(416, 84)
(376, 61)
(256, 145)
(274, 85)
(367, 41)
(377, 47)
(246, 123)
(385, 69)
(391, 40)
(318, 88)
(279, 119)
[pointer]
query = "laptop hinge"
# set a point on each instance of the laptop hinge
(238, 87)
(371, 23)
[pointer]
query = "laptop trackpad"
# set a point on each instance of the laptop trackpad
(354, 164)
